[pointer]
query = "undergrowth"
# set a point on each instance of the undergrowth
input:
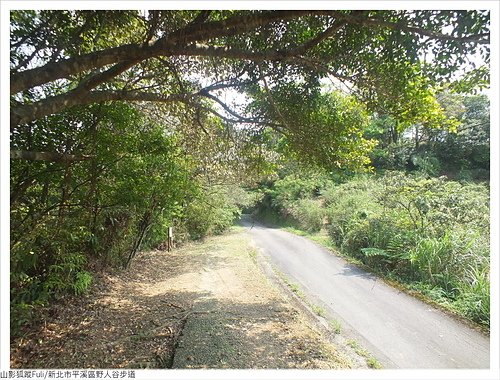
(429, 234)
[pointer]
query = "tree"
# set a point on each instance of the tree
(62, 59)
(457, 143)
(319, 129)
(466, 153)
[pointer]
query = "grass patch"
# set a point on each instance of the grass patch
(373, 363)
(335, 326)
(321, 237)
(370, 360)
(428, 294)
(294, 288)
(318, 310)
(236, 228)
(253, 254)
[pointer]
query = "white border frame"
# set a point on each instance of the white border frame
(493, 373)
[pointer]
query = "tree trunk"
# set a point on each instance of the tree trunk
(46, 156)
(145, 223)
(65, 193)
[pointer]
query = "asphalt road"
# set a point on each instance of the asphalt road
(400, 331)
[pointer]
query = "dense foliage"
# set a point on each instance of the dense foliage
(127, 180)
(421, 218)
(125, 123)
(458, 148)
(431, 233)
(279, 59)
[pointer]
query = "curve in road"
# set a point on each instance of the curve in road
(399, 330)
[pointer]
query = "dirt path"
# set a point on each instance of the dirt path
(206, 305)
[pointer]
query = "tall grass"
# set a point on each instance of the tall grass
(430, 233)
(424, 231)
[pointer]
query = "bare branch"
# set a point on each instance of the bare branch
(226, 107)
(23, 114)
(47, 156)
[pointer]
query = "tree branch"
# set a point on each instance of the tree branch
(66, 68)
(226, 107)
(318, 39)
(194, 32)
(97, 79)
(482, 38)
(201, 50)
(47, 156)
(23, 114)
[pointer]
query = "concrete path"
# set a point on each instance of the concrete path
(399, 330)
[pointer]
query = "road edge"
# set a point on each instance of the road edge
(360, 356)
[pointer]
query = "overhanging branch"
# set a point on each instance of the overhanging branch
(199, 32)
(23, 114)
(47, 156)
(482, 38)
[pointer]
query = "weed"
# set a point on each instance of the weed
(253, 255)
(373, 363)
(294, 288)
(318, 310)
(335, 326)
(418, 230)
(370, 360)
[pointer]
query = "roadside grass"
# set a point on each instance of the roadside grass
(318, 310)
(295, 288)
(320, 237)
(416, 289)
(370, 360)
(236, 228)
(253, 254)
(333, 324)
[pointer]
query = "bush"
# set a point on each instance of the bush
(308, 213)
(211, 213)
(349, 207)
(432, 231)
(295, 200)
(474, 295)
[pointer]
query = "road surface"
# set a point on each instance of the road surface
(400, 331)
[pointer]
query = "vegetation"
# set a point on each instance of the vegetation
(460, 151)
(421, 216)
(131, 182)
(430, 233)
(370, 360)
(121, 127)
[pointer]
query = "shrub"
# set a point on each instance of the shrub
(349, 207)
(212, 212)
(474, 295)
(420, 229)
(308, 213)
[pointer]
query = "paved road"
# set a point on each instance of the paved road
(399, 330)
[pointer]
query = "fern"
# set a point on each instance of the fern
(371, 252)
(82, 282)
